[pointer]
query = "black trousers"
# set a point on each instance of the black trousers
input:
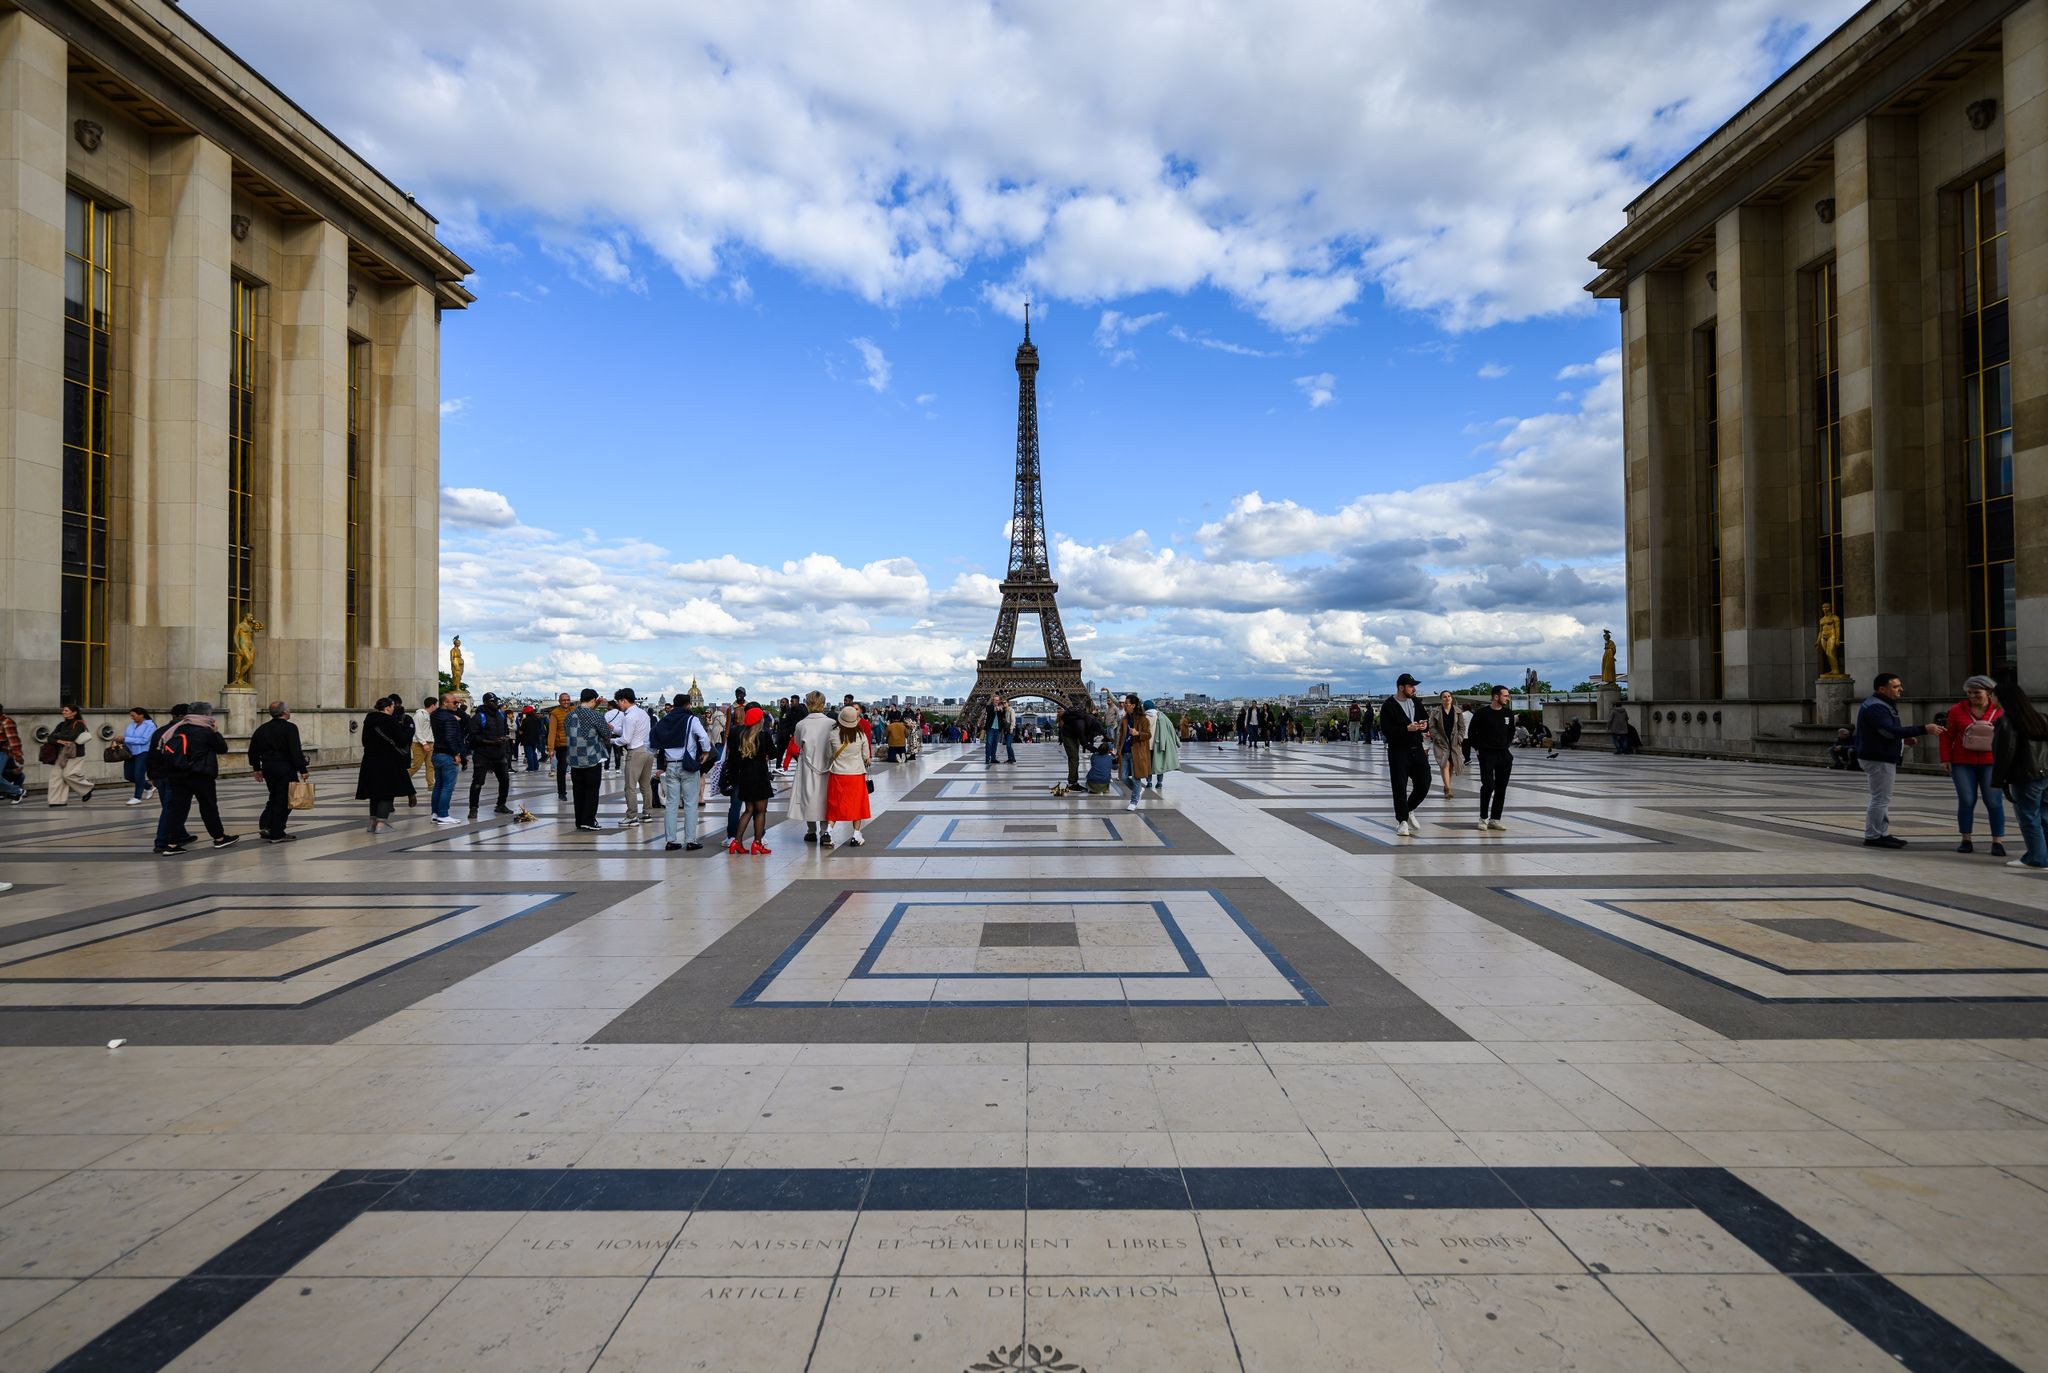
(562, 772)
(183, 792)
(480, 767)
(1494, 767)
(1408, 770)
(585, 781)
(278, 809)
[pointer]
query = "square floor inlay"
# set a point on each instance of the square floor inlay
(1046, 828)
(1453, 827)
(1002, 934)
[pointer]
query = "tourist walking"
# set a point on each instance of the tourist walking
(190, 752)
(1971, 727)
(1165, 748)
(1405, 723)
(13, 776)
(64, 754)
(558, 742)
(487, 739)
(1001, 722)
(590, 740)
(1447, 738)
(445, 736)
(1133, 747)
(750, 774)
(812, 742)
(2020, 765)
(1880, 745)
(135, 753)
(1492, 737)
(277, 757)
(685, 748)
(423, 738)
(846, 786)
(153, 763)
(385, 774)
(636, 764)
(533, 736)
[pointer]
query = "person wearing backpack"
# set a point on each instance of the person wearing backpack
(1966, 758)
(684, 746)
(2019, 749)
(191, 751)
(488, 735)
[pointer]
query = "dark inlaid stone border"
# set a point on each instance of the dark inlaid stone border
(1920, 1338)
(1181, 836)
(1728, 1010)
(696, 1004)
(328, 1018)
(1470, 840)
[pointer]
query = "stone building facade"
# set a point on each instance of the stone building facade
(1835, 370)
(219, 353)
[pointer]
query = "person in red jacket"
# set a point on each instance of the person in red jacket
(1966, 757)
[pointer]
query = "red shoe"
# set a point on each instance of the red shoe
(734, 847)
(759, 847)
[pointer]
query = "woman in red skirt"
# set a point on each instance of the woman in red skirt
(846, 783)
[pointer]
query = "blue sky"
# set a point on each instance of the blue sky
(1322, 398)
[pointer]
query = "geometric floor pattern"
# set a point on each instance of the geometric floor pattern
(1670, 1074)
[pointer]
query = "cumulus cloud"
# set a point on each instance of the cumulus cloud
(1492, 371)
(454, 406)
(474, 506)
(874, 362)
(1289, 159)
(1319, 389)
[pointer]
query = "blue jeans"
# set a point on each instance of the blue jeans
(1130, 775)
(2030, 801)
(533, 757)
(136, 770)
(1973, 780)
(989, 744)
(676, 786)
(8, 787)
(444, 783)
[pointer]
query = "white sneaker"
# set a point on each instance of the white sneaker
(446, 820)
(1405, 830)
(2017, 863)
(1499, 826)
(135, 800)
(1133, 805)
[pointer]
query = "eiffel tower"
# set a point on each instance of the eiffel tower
(1029, 588)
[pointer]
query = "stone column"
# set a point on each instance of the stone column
(1764, 563)
(1896, 560)
(1665, 650)
(2025, 115)
(32, 156)
(178, 475)
(403, 614)
(304, 489)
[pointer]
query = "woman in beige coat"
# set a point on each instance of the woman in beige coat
(1447, 737)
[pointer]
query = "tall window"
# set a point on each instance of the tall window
(241, 453)
(1710, 442)
(88, 340)
(1987, 428)
(1827, 422)
(358, 582)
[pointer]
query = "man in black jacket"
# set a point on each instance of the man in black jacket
(191, 751)
(1406, 726)
(276, 756)
(489, 737)
(1492, 735)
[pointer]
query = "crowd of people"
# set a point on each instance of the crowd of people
(669, 762)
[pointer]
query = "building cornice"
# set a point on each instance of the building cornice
(171, 61)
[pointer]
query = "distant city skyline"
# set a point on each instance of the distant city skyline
(1322, 399)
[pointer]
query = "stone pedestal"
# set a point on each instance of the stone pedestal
(238, 711)
(1834, 701)
(1606, 699)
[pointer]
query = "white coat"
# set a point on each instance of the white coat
(814, 735)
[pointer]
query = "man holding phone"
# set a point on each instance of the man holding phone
(1406, 727)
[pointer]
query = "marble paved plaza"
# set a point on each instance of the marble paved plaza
(1671, 1074)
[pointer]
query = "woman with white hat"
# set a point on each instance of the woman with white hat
(846, 784)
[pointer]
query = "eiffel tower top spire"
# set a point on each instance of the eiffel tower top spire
(1027, 516)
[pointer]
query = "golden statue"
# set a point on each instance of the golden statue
(1829, 641)
(455, 665)
(1607, 655)
(242, 657)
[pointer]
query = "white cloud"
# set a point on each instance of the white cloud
(1320, 389)
(1219, 345)
(926, 397)
(474, 506)
(875, 363)
(1493, 371)
(454, 406)
(1290, 157)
